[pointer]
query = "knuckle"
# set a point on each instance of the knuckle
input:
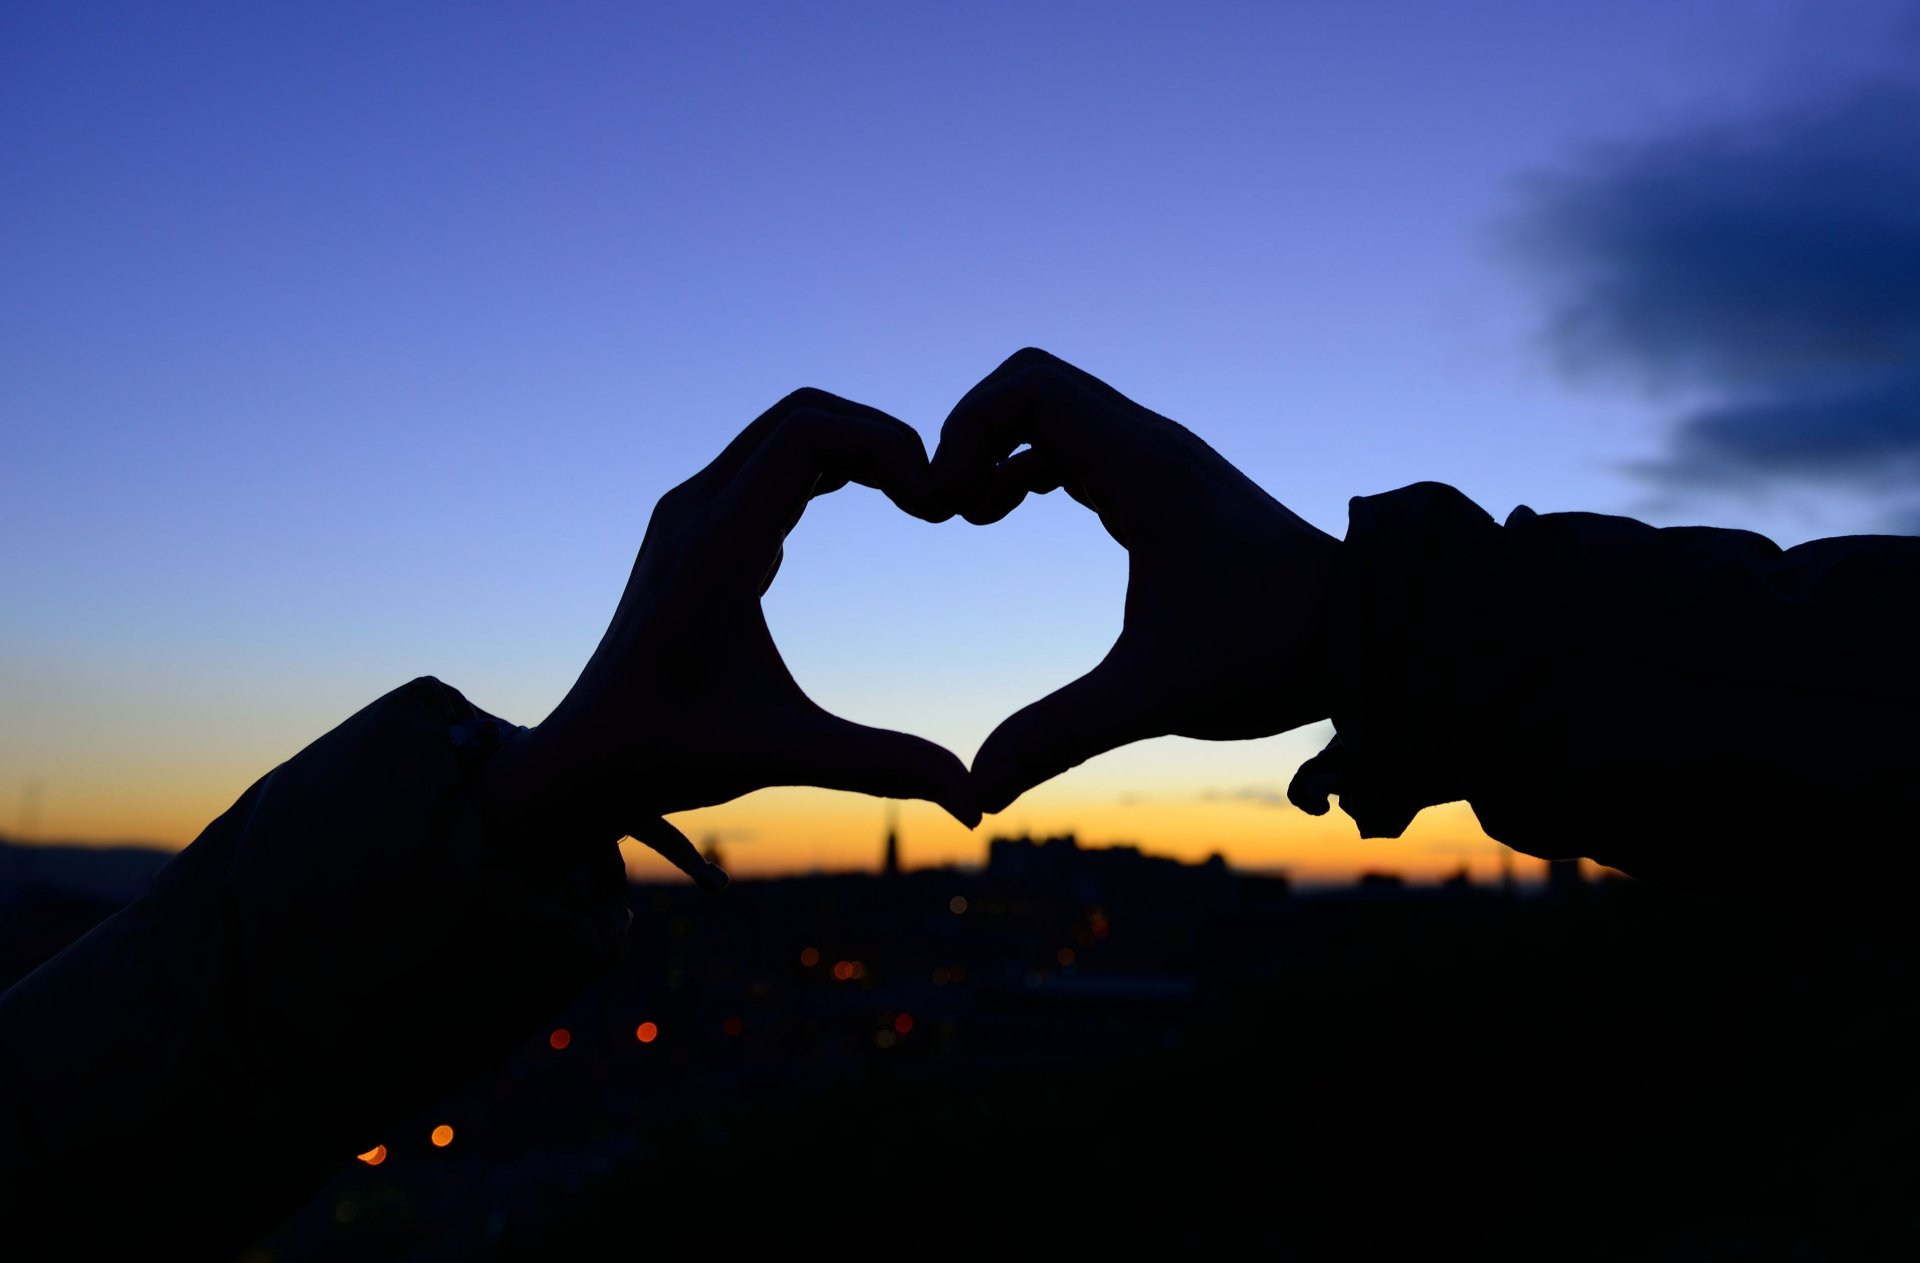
(672, 508)
(807, 397)
(1028, 358)
(813, 399)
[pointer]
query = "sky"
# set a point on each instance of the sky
(352, 343)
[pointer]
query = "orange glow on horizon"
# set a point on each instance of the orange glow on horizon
(797, 831)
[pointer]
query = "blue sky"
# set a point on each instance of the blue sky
(354, 343)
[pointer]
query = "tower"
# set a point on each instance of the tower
(892, 866)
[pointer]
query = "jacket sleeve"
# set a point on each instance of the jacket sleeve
(1696, 707)
(345, 945)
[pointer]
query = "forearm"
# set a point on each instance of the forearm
(1694, 706)
(345, 945)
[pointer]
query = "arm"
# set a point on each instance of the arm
(1694, 706)
(349, 941)
(393, 909)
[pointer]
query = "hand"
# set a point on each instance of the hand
(686, 702)
(1224, 587)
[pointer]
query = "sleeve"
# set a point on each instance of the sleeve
(1696, 707)
(346, 944)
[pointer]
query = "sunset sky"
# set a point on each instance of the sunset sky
(346, 344)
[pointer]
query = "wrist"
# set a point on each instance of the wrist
(1315, 652)
(536, 793)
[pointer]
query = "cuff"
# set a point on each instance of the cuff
(1408, 606)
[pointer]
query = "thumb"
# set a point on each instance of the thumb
(835, 753)
(677, 849)
(1107, 707)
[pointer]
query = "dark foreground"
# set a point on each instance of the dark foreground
(1116, 1059)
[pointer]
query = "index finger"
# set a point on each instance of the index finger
(1032, 398)
(814, 451)
(721, 469)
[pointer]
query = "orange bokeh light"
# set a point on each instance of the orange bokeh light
(374, 1156)
(647, 1032)
(560, 1039)
(810, 957)
(442, 1136)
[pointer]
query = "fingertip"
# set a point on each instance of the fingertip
(962, 807)
(995, 786)
(954, 793)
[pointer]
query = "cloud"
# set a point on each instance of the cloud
(1865, 432)
(1259, 795)
(729, 834)
(1769, 270)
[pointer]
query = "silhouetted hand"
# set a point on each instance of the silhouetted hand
(686, 702)
(1224, 588)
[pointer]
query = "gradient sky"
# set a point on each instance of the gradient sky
(350, 343)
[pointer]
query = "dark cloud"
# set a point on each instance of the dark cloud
(1865, 432)
(1770, 269)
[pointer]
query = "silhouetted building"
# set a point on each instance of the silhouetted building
(1565, 878)
(892, 865)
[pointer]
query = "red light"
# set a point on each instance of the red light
(733, 1026)
(559, 1039)
(903, 1023)
(810, 957)
(647, 1032)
